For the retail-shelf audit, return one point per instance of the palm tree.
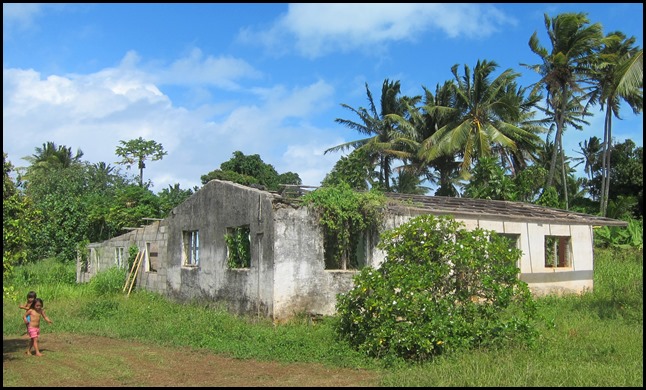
(382, 143)
(420, 125)
(484, 116)
(574, 43)
(590, 150)
(526, 146)
(619, 76)
(52, 156)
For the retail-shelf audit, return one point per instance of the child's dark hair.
(34, 303)
(31, 294)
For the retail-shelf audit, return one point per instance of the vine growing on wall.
(345, 215)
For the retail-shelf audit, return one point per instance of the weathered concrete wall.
(549, 280)
(302, 284)
(210, 211)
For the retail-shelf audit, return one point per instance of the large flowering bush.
(440, 288)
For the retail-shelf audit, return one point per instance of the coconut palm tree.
(382, 143)
(563, 69)
(590, 150)
(484, 115)
(52, 156)
(618, 77)
(420, 125)
(527, 145)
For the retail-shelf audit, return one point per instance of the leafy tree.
(249, 170)
(440, 289)
(355, 169)
(549, 198)
(408, 182)
(590, 151)
(574, 45)
(103, 181)
(171, 197)
(61, 222)
(137, 151)
(490, 182)
(16, 213)
(627, 175)
(289, 178)
(232, 176)
(529, 182)
(433, 119)
(132, 204)
(51, 156)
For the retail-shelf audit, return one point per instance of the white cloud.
(197, 70)
(319, 29)
(310, 161)
(18, 16)
(94, 112)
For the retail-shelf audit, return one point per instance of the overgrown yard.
(100, 339)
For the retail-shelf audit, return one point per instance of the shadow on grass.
(12, 345)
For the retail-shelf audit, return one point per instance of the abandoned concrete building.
(186, 255)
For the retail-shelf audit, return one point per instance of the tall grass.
(594, 339)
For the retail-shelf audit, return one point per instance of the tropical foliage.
(345, 216)
(440, 289)
(251, 170)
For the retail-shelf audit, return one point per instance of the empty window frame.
(152, 257)
(119, 259)
(238, 246)
(558, 252)
(352, 256)
(191, 245)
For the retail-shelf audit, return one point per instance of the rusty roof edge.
(510, 210)
(594, 221)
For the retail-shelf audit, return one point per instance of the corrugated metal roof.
(494, 209)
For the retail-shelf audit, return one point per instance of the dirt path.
(76, 360)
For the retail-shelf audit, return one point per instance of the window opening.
(238, 246)
(512, 238)
(191, 246)
(118, 256)
(353, 257)
(152, 261)
(557, 251)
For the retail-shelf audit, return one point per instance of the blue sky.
(205, 80)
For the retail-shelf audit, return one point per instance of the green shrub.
(48, 271)
(440, 288)
(108, 282)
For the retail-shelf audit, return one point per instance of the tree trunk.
(608, 152)
(559, 115)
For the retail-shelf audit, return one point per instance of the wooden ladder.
(134, 270)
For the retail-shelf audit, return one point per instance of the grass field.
(595, 339)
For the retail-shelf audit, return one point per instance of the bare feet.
(28, 353)
(39, 354)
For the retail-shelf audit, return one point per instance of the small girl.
(33, 324)
(30, 299)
